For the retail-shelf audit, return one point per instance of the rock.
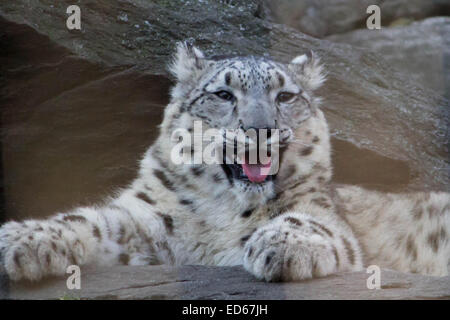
(419, 50)
(320, 18)
(80, 107)
(228, 283)
(124, 33)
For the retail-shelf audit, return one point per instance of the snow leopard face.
(238, 96)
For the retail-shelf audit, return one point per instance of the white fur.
(289, 229)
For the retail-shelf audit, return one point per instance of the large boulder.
(320, 18)
(420, 50)
(80, 107)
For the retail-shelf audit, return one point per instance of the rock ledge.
(229, 283)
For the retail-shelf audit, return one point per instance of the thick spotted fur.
(293, 227)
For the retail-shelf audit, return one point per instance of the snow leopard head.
(236, 95)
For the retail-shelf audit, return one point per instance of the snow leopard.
(292, 225)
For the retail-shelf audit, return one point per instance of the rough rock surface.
(199, 282)
(320, 18)
(420, 50)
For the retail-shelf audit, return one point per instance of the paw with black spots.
(32, 250)
(281, 253)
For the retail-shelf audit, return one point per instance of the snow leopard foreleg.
(87, 236)
(296, 246)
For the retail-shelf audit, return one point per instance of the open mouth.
(258, 173)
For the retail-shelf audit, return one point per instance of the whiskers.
(301, 143)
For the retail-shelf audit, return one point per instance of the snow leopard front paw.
(279, 253)
(31, 250)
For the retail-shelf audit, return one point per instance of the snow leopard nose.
(262, 136)
(264, 132)
(259, 122)
(257, 115)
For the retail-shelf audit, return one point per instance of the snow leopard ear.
(308, 70)
(188, 62)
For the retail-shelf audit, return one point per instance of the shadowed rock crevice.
(353, 165)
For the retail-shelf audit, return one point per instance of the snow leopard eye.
(225, 95)
(286, 97)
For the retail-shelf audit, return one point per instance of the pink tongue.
(256, 172)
